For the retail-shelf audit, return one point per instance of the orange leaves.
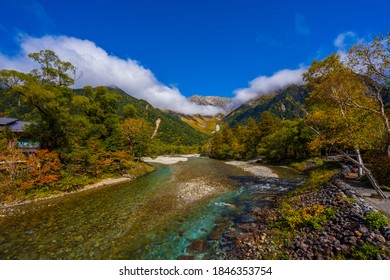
(43, 168)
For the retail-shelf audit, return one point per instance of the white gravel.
(256, 170)
(165, 159)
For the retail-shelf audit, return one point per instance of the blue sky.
(190, 47)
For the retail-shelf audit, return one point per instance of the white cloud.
(263, 85)
(100, 68)
(344, 40)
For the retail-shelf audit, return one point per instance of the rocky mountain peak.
(215, 101)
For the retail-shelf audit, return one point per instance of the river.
(154, 217)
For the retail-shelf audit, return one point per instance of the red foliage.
(43, 169)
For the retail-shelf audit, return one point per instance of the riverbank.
(329, 221)
(104, 182)
(6, 207)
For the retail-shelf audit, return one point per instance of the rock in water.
(197, 246)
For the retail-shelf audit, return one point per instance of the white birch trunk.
(369, 175)
(360, 160)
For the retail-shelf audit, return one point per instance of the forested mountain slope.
(172, 129)
(285, 104)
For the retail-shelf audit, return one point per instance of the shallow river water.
(154, 217)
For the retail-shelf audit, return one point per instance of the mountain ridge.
(286, 103)
(216, 101)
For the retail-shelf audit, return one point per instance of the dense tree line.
(272, 138)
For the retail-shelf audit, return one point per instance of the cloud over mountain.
(100, 68)
(265, 84)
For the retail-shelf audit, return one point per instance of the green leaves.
(53, 70)
(273, 138)
(136, 133)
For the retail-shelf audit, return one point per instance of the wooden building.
(17, 128)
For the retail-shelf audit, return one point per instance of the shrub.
(43, 169)
(308, 164)
(308, 216)
(330, 213)
(319, 177)
(367, 252)
(300, 166)
(376, 220)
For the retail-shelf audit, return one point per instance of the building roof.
(13, 124)
(18, 126)
(7, 121)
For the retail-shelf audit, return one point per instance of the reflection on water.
(154, 217)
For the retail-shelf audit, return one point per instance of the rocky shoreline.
(346, 236)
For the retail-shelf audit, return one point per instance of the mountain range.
(176, 128)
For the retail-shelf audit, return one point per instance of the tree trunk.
(360, 160)
(388, 147)
(369, 175)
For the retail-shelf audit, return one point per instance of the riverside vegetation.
(84, 135)
(93, 133)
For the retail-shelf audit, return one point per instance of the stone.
(184, 257)
(351, 240)
(197, 246)
(380, 238)
(331, 238)
(309, 242)
(303, 246)
(216, 233)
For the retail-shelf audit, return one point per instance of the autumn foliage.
(43, 169)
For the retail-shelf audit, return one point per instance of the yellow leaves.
(355, 100)
(336, 97)
(320, 177)
(80, 101)
(346, 128)
(306, 216)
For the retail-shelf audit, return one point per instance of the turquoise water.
(153, 217)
